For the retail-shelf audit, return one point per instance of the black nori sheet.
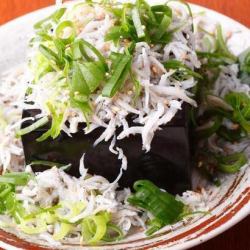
(167, 164)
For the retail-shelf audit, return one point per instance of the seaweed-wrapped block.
(167, 164)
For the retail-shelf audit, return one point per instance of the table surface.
(235, 238)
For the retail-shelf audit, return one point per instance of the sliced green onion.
(206, 164)
(162, 29)
(49, 54)
(211, 55)
(64, 230)
(48, 217)
(124, 19)
(137, 85)
(137, 23)
(61, 29)
(78, 84)
(231, 163)
(42, 36)
(142, 5)
(131, 48)
(33, 226)
(69, 210)
(94, 227)
(93, 75)
(118, 77)
(79, 52)
(60, 49)
(244, 60)
(162, 205)
(83, 106)
(208, 131)
(33, 126)
(155, 225)
(66, 69)
(15, 178)
(114, 34)
(165, 39)
(76, 52)
(241, 105)
(188, 213)
(5, 189)
(10, 203)
(231, 135)
(161, 8)
(221, 45)
(221, 54)
(96, 52)
(40, 67)
(55, 129)
(142, 23)
(49, 164)
(55, 17)
(114, 233)
(181, 67)
(81, 98)
(2, 207)
(46, 214)
(13, 207)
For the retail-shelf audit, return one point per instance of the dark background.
(238, 237)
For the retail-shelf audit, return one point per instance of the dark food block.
(167, 164)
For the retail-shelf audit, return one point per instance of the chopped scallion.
(162, 205)
(137, 23)
(50, 164)
(64, 229)
(94, 227)
(66, 31)
(113, 233)
(56, 16)
(231, 163)
(118, 77)
(15, 178)
(162, 29)
(41, 122)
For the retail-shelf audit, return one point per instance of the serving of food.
(127, 126)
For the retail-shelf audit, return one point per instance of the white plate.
(230, 203)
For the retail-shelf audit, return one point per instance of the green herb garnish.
(51, 164)
(60, 29)
(56, 16)
(240, 102)
(141, 22)
(244, 61)
(55, 129)
(220, 55)
(15, 178)
(182, 71)
(121, 67)
(162, 205)
(231, 163)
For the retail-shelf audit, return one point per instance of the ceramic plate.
(229, 203)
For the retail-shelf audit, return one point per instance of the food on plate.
(116, 103)
(169, 154)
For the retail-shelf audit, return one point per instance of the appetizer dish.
(116, 107)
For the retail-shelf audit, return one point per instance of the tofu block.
(167, 164)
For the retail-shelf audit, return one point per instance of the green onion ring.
(60, 29)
